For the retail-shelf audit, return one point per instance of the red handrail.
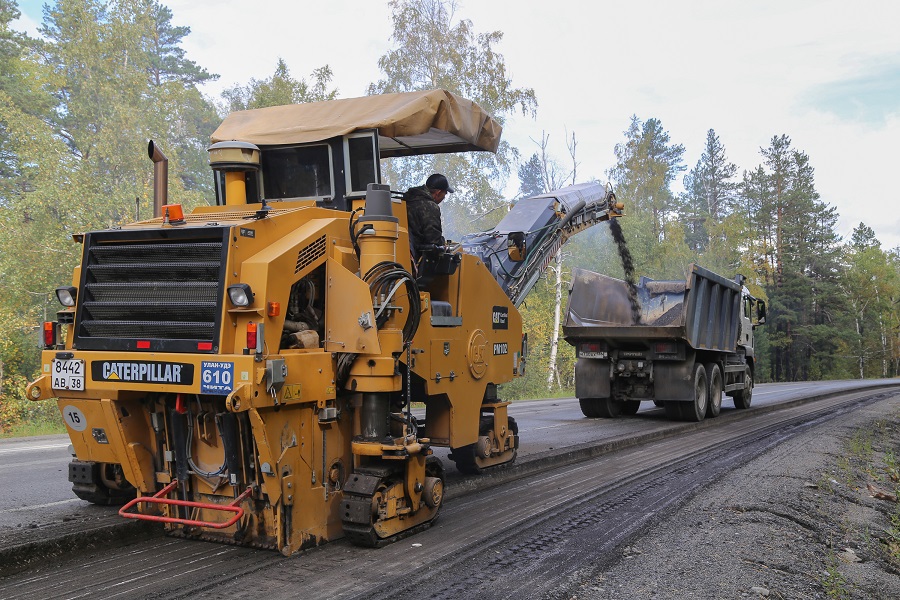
(159, 498)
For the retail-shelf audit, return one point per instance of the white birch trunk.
(552, 371)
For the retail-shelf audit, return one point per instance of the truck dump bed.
(703, 311)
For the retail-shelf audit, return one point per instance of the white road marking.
(31, 448)
(36, 506)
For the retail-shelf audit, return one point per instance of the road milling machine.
(248, 370)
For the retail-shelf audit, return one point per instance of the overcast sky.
(824, 72)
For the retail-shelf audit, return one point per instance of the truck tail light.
(251, 335)
(49, 336)
(666, 347)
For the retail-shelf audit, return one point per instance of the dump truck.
(679, 344)
(245, 373)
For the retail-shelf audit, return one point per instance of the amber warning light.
(173, 213)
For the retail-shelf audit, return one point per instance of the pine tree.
(531, 179)
(161, 44)
(647, 164)
(802, 250)
(76, 112)
(709, 194)
(281, 88)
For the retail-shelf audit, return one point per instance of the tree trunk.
(552, 371)
(862, 363)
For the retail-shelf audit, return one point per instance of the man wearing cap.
(424, 213)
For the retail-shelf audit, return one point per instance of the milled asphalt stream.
(27, 545)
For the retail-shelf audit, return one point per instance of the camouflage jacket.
(424, 216)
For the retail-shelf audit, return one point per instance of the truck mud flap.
(592, 378)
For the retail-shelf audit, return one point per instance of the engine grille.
(165, 290)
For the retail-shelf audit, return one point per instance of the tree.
(76, 114)
(280, 89)
(709, 193)
(869, 282)
(549, 174)
(20, 87)
(161, 44)
(531, 177)
(802, 252)
(646, 166)
(434, 50)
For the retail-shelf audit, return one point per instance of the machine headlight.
(240, 294)
(67, 295)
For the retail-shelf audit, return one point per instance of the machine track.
(360, 535)
(466, 458)
(361, 498)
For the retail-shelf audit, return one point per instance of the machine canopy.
(408, 124)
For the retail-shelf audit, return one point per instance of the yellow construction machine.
(246, 372)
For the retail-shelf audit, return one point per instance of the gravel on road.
(815, 517)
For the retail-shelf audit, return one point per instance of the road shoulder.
(803, 520)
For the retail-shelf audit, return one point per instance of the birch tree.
(432, 48)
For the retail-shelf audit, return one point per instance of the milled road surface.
(476, 534)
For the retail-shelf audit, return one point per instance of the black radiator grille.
(163, 290)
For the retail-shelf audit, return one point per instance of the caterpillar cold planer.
(247, 370)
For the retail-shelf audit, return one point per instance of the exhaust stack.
(160, 178)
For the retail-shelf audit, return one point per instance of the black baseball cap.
(438, 182)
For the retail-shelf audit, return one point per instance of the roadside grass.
(833, 581)
(29, 429)
(869, 466)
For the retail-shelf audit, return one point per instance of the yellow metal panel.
(349, 316)
(123, 433)
(266, 456)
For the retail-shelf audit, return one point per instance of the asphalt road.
(513, 540)
(33, 471)
(37, 505)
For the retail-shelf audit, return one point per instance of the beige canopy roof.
(410, 123)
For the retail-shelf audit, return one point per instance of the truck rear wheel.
(630, 407)
(673, 410)
(600, 408)
(589, 407)
(695, 411)
(742, 398)
(716, 385)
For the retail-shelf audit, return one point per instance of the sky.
(824, 72)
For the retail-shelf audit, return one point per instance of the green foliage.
(17, 413)
(280, 89)
(709, 193)
(870, 286)
(531, 180)
(647, 164)
(433, 50)
(537, 320)
(802, 264)
(78, 106)
(75, 117)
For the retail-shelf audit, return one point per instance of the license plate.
(68, 375)
(585, 354)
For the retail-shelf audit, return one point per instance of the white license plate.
(583, 354)
(68, 375)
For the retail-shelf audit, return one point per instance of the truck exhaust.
(160, 178)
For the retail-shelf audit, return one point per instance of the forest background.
(79, 103)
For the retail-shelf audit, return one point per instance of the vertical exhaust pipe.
(160, 178)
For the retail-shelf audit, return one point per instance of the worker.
(424, 213)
